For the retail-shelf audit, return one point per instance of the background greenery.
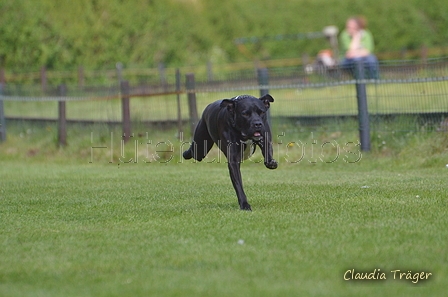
(65, 34)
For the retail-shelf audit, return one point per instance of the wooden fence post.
(424, 53)
(43, 79)
(81, 77)
(2, 76)
(403, 53)
(2, 117)
(190, 86)
(210, 76)
(162, 73)
(126, 112)
(62, 119)
(263, 82)
(179, 111)
(363, 113)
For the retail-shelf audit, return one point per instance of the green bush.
(97, 34)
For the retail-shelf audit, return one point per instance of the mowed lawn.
(176, 230)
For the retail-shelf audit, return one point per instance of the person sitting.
(357, 46)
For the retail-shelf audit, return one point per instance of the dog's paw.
(245, 206)
(187, 155)
(272, 164)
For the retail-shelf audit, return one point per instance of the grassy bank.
(329, 141)
(97, 34)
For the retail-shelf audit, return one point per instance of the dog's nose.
(258, 125)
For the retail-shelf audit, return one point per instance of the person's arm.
(367, 41)
(361, 45)
(344, 42)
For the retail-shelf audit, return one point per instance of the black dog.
(235, 125)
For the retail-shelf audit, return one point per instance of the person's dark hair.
(361, 21)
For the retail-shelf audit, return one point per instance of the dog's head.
(248, 115)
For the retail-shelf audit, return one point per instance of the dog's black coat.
(234, 125)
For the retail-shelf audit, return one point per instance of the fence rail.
(405, 88)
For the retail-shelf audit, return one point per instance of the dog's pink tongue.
(256, 134)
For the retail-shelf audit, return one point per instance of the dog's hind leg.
(202, 143)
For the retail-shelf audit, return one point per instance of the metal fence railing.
(413, 91)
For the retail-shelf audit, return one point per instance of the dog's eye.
(245, 113)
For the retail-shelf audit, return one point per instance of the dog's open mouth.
(256, 136)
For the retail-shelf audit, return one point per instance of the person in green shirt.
(357, 45)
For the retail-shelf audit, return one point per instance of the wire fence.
(414, 93)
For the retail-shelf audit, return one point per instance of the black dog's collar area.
(249, 148)
(247, 142)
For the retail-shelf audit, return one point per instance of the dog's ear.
(267, 99)
(230, 104)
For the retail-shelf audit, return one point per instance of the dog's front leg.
(267, 151)
(237, 182)
(233, 155)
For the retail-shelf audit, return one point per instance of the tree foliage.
(65, 34)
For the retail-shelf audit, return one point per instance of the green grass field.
(175, 230)
(172, 228)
